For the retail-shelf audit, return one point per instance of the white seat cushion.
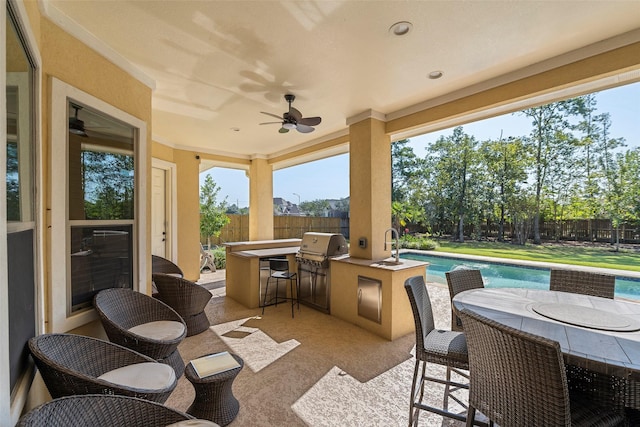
(163, 330)
(142, 376)
(194, 423)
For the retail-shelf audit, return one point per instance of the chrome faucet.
(397, 242)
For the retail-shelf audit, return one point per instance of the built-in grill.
(316, 250)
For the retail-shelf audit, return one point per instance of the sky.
(300, 183)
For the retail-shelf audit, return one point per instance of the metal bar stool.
(279, 270)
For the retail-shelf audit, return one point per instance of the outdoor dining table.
(598, 335)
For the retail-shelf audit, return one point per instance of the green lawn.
(603, 257)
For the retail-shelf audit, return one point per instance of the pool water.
(498, 275)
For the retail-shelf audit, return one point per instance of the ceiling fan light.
(76, 127)
(289, 125)
(77, 132)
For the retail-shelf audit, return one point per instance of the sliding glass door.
(20, 176)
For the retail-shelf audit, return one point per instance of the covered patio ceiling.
(216, 65)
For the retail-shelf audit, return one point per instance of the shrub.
(422, 243)
(220, 256)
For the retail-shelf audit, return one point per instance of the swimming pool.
(497, 275)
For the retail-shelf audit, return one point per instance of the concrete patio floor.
(314, 369)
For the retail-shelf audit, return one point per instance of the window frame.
(61, 317)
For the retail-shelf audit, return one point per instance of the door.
(159, 212)
(370, 298)
(18, 290)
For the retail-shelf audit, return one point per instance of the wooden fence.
(595, 230)
(581, 230)
(288, 227)
(284, 227)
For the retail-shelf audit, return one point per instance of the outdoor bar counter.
(367, 293)
(357, 282)
(243, 266)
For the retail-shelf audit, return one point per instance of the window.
(101, 164)
(99, 183)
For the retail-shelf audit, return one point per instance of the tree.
(13, 183)
(454, 163)
(212, 214)
(405, 168)
(608, 162)
(506, 161)
(108, 185)
(404, 214)
(623, 183)
(315, 207)
(342, 207)
(566, 167)
(548, 134)
(523, 211)
(588, 126)
(234, 209)
(407, 171)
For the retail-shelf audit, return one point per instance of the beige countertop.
(269, 252)
(385, 264)
(264, 243)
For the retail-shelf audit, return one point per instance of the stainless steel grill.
(316, 250)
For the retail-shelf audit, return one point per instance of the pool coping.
(521, 262)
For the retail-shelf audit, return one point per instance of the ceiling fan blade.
(270, 123)
(297, 115)
(304, 128)
(283, 130)
(272, 115)
(310, 121)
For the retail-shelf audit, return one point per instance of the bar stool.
(279, 270)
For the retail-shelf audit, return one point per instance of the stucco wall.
(188, 199)
(71, 61)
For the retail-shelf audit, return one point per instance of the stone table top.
(599, 334)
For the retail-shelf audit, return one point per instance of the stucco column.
(188, 212)
(370, 188)
(260, 200)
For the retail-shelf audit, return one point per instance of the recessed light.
(435, 74)
(401, 28)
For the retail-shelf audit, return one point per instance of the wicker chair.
(187, 298)
(518, 379)
(583, 282)
(597, 386)
(433, 345)
(163, 265)
(71, 364)
(122, 309)
(458, 281)
(102, 410)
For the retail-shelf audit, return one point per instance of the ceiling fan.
(293, 119)
(90, 126)
(76, 126)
